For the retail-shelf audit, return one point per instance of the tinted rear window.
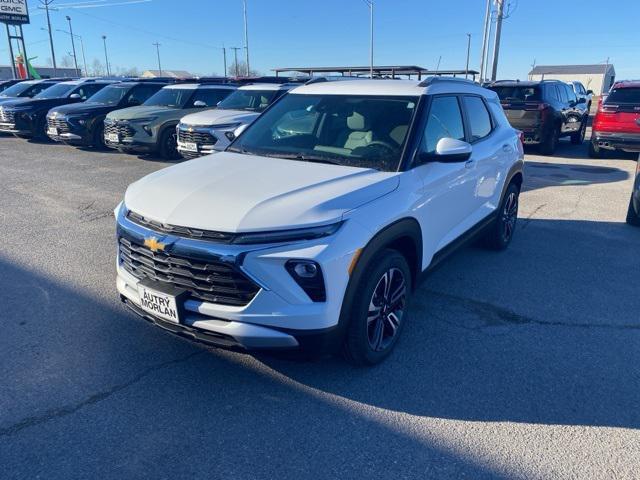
(518, 93)
(624, 95)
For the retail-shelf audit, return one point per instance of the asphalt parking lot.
(522, 364)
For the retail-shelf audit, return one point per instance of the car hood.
(80, 108)
(35, 102)
(232, 192)
(219, 117)
(143, 111)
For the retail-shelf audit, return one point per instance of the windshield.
(170, 97)
(624, 95)
(352, 130)
(250, 100)
(521, 93)
(56, 91)
(110, 95)
(17, 89)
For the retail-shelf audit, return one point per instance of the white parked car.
(205, 132)
(312, 229)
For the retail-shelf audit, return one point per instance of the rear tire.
(633, 217)
(502, 230)
(578, 137)
(169, 144)
(379, 309)
(548, 146)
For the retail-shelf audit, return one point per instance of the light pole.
(106, 57)
(157, 45)
(79, 37)
(370, 5)
(466, 72)
(46, 4)
(485, 39)
(224, 59)
(73, 44)
(246, 36)
(496, 44)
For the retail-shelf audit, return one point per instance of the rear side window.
(444, 121)
(551, 92)
(571, 95)
(479, 118)
(624, 95)
(210, 96)
(518, 93)
(140, 93)
(85, 91)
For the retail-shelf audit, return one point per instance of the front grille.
(59, 123)
(207, 280)
(7, 116)
(122, 129)
(186, 232)
(201, 138)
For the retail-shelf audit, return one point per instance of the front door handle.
(469, 163)
(506, 148)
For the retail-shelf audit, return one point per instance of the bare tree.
(241, 70)
(66, 61)
(97, 68)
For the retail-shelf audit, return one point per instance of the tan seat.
(398, 133)
(361, 135)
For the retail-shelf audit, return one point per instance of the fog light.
(308, 275)
(230, 136)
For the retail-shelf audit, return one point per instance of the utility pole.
(246, 36)
(370, 5)
(235, 53)
(73, 44)
(157, 45)
(106, 57)
(46, 4)
(438, 65)
(224, 59)
(496, 44)
(466, 72)
(485, 39)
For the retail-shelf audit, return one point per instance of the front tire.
(379, 309)
(169, 144)
(501, 232)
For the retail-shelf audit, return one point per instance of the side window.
(444, 120)
(210, 96)
(551, 92)
(571, 95)
(88, 90)
(479, 117)
(140, 93)
(563, 93)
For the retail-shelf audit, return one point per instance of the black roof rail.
(440, 79)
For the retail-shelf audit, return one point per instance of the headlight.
(143, 120)
(287, 235)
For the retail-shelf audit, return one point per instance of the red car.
(616, 125)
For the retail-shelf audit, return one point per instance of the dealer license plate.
(188, 146)
(159, 304)
(52, 131)
(113, 137)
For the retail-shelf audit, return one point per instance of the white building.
(599, 77)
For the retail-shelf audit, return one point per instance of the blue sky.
(331, 32)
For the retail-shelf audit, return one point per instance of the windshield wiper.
(302, 158)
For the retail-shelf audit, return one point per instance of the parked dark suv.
(545, 111)
(82, 124)
(28, 88)
(26, 117)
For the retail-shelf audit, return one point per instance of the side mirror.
(448, 150)
(582, 100)
(589, 92)
(75, 96)
(199, 104)
(238, 131)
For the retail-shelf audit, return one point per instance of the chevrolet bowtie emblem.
(153, 244)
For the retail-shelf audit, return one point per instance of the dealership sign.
(14, 12)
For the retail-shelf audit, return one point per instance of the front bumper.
(14, 129)
(629, 142)
(280, 315)
(134, 140)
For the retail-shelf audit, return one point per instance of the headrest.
(357, 121)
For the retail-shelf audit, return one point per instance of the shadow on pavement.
(548, 174)
(88, 388)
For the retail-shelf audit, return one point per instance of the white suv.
(313, 228)
(202, 133)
